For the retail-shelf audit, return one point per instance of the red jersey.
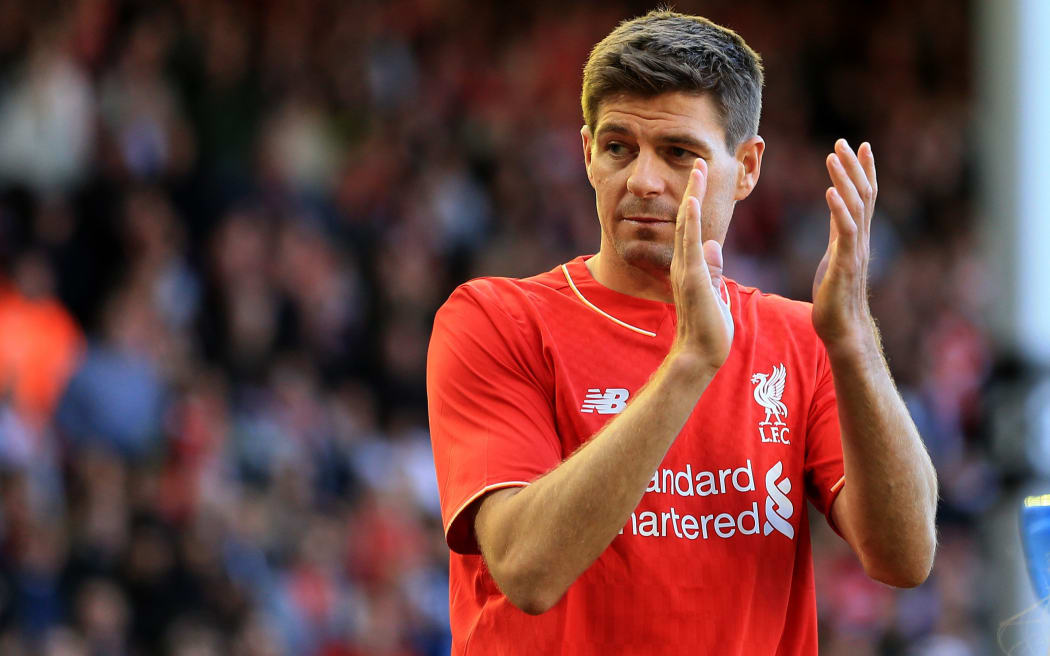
(716, 557)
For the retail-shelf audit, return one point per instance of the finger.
(842, 222)
(867, 161)
(851, 162)
(691, 248)
(864, 188)
(696, 186)
(699, 188)
(844, 184)
(681, 222)
(687, 223)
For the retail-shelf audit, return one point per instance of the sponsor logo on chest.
(762, 516)
(769, 390)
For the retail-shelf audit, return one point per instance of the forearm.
(537, 540)
(890, 497)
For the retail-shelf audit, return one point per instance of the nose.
(645, 180)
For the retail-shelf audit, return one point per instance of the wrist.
(689, 367)
(862, 345)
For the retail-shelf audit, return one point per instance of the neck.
(619, 276)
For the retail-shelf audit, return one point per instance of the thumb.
(713, 257)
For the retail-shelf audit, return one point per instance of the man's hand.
(841, 315)
(886, 508)
(705, 325)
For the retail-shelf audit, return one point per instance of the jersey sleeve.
(825, 474)
(491, 409)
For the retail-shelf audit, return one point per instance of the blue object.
(115, 399)
(1035, 538)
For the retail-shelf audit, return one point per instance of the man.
(625, 444)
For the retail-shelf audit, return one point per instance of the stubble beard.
(644, 251)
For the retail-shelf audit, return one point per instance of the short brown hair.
(666, 51)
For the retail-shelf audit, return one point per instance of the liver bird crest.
(768, 391)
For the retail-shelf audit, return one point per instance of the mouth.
(647, 219)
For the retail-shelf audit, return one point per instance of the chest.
(755, 408)
(734, 477)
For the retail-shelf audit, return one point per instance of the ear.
(749, 165)
(585, 134)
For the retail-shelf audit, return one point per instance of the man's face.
(638, 161)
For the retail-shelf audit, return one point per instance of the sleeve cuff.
(835, 490)
(459, 534)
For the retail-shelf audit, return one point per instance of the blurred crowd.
(225, 228)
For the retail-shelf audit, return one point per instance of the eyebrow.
(676, 138)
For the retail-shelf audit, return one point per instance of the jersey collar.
(638, 315)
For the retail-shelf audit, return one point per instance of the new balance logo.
(611, 402)
(778, 507)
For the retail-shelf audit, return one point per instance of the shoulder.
(493, 326)
(779, 322)
(501, 300)
(767, 307)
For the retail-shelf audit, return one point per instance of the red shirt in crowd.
(716, 557)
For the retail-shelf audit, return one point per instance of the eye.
(616, 148)
(677, 152)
